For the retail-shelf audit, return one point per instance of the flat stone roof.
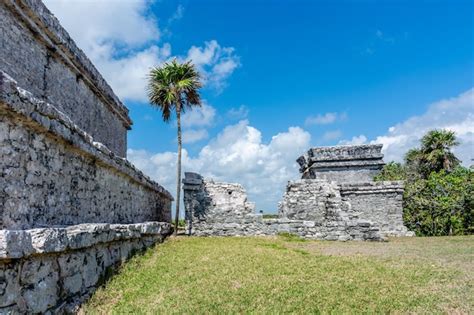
(342, 157)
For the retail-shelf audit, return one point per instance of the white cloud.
(325, 119)
(127, 75)
(361, 139)
(332, 135)
(177, 15)
(237, 154)
(199, 116)
(238, 113)
(107, 22)
(456, 114)
(122, 40)
(192, 135)
(216, 63)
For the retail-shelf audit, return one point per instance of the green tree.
(172, 88)
(434, 154)
(442, 204)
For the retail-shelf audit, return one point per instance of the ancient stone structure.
(222, 209)
(336, 200)
(71, 206)
(342, 164)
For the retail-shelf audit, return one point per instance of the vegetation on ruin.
(190, 275)
(439, 192)
(172, 88)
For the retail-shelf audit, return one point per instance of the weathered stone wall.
(208, 202)
(55, 269)
(53, 173)
(342, 164)
(309, 200)
(40, 55)
(222, 209)
(379, 202)
(71, 206)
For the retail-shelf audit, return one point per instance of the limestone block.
(70, 270)
(9, 284)
(15, 244)
(39, 278)
(48, 240)
(90, 270)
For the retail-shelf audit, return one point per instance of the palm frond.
(173, 84)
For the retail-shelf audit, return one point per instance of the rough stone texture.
(222, 209)
(38, 53)
(379, 202)
(53, 173)
(38, 278)
(71, 206)
(309, 200)
(209, 202)
(342, 164)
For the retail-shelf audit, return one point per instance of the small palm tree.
(174, 87)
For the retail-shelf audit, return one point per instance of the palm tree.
(174, 87)
(436, 148)
(434, 154)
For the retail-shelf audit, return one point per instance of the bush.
(442, 204)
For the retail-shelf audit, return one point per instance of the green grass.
(187, 275)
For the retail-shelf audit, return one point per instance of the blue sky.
(379, 63)
(281, 76)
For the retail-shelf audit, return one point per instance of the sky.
(283, 76)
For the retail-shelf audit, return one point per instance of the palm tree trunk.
(178, 170)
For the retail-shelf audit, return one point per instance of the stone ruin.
(71, 206)
(336, 199)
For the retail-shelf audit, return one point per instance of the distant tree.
(434, 154)
(174, 87)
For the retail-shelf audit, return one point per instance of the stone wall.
(71, 206)
(40, 55)
(309, 200)
(342, 164)
(379, 202)
(222, 209)
(53, 270)
(208, 202)
(53, 173)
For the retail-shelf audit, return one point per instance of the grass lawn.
(283, 274)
